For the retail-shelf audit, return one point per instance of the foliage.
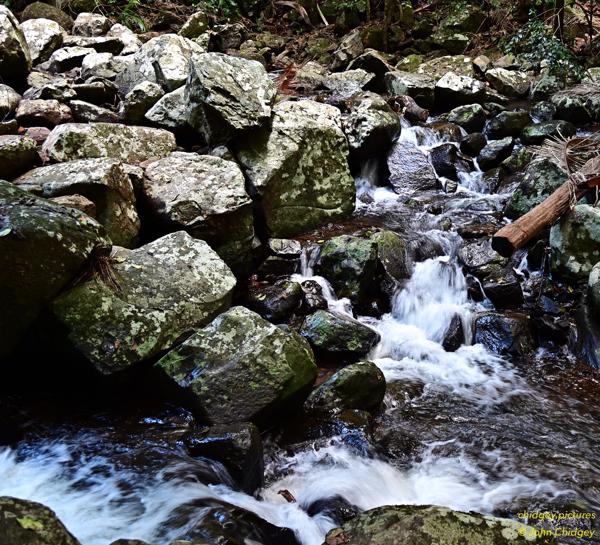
(126, 11)
(227, 9)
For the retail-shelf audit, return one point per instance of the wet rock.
(240, 367)
(86, 141)
(351, 47)
(43, 37)
(171, 111)
(473, 143)
(454, 337)
(418, 86)
(196, 24)
(579, 104)
(495, 152)
(392, 525)
(102, 181)
(275, 303)
(536, 134)
(129, 542)
(480, 259)
(227, 95)
(508, 123)
(508, 82)
(454, 90)
(393, 258)
(336, 508)
(575, 243)
(44, 113)
(340, 335)
(166, 289)
(205, 196)
(313, 298)
(504, 334)
(9, 100)
(67, 58)
(17, 154)
(25, 522)
(540, 179)
(84, 112)
(447, 162)
(283, 259)
(15, 60)
(542, 111)
(344, 85)
(470, 117)
(237, 446)
(503, 289)
(41, 10)
(370, 126)
(357, 386)
(594, 290)
(410, 169)
(302, 159)
(43, 247)
(139, 100)
(91, 24)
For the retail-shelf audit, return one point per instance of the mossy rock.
(41, 10)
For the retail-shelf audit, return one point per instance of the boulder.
(67, 58)
(15, 60)
(480, 259)
(129, 39)
(41, 10)
(418, 86)
(276, 302)
(240, 368)
(593, 293)
(535, 134)
(455, 90)
(344, 85)
(226, 95)
(139, 100)
(24, 522)
(87, 141)
(494, 152)
(374, 62)
(42, 113)
(507, 334)
(473, 143)
(546, 86)
(17, 155)
(103, 181)
(503, 289)
(452, 42)
(84, 112)
(205, 196)
(439, 66)
(91, 24)
(351, 47)
(447, 162)
(43, 37)
(170, 111)
(9, 100)
(359, 386)
(43, 247)
(298, 167)
(409, 168)
(100, 44)
(508, 123)
(196, 24)
(542, 111)
(511, 83)
(579, 104)
(100, 65)
(575, 243)
(164, 291)
(470, 117)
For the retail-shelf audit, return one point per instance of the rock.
(240, 367)
(508, 82)
(446, 161)
(131, 43)
(482, 64)
(579, 104)
(495, 152)
(205, 196)
(41, 10)
(310, 76)
(302, 159)
(593, 294)
(79, 202)
(374, 62)
(9, 100)
(370, 126)
(454, 337)
(351, 47)
(542, 111)
(44, 113)
(410, 169)
(226, 95)
(546, 87)
(228, 36)
(43, 37)
(102, 181)
(84, 112)
(470, 117)
(418, 86)
(340, 335)
(508, 123)
(8, 127)
(275, 303)
(439, 66)
(100, 44)
(237, 446)
(133, 542)
(540, 179)
(454, 90)
(423, 524)
(91, 24)
(67, 58)
(452, 42)
(336, 507)
(25, 522)
(17, 154)
(393, 257)
(139, 100)
(536, 134)
(164, 60)
(166, 289)
(504, 334)
(196, 25)
(357, 386)
(171, 111)
(101, 65)
(503, 289)
(480, 259)
(86, 141)
(473, 143)
(575, 243)
(42, 248)
(344, 85)
(15, 60)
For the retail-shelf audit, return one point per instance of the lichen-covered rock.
(452, 42)
(9, 100)
(240, 367)
(470, 117)
(431, 525)
(196, 24)
(575, 243)
(439, 66)
(593, 298)
(455, 90)
(359, 386)
(24, 522)
(494, 152)
(41, 10)
(509, 123)
(139, 100)
(298, 166)
(536, 134)
(42, 113)
(129, 39)
(421, 87)
(511, 83)
(87, 141)
(102, 65)
(344, 85)
(17, 154)
(205, 196)
(166, 289)
(43, 37)
(15, 60)
(43, 246)
(91, 24)
(226, 95)
(170, 111)
(333, 333)
(579, 104)
(409, 168)
(102, 181)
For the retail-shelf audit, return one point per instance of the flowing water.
(464, 429)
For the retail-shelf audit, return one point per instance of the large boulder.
(579, 104)
(226, 95)
(298, 167)
(17, 155)
(43, 247)
(43, 37)
(160, 293)
(240, 367)
(409, 168)
(15, 60)
(508, 82)
(575, 243)
(455, 90)
(494, 152)
(25, 522)
(103, 181)
(509, 123)
(41, 10)
(470, 117)
(205, 196)
(87, 141)
(421, 87)
(431, 525)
